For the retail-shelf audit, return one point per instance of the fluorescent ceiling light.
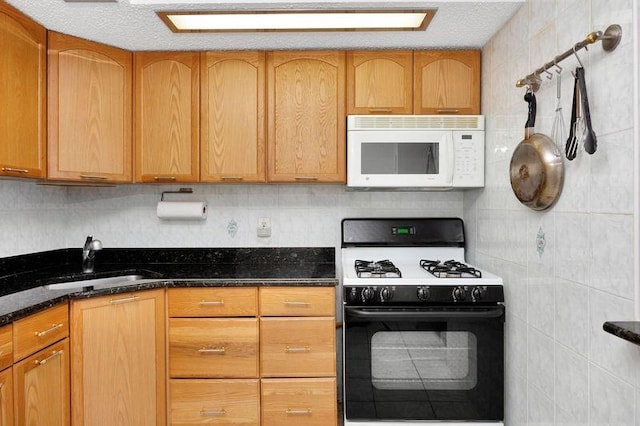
(316, 20)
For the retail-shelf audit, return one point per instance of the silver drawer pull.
(54, 327)
(47, 359)
(232, 178)
(93, 177)
(298, 412)
(380, 110)
(123, 300)
(296, 303)
(306, 178)
(211, 302)
(164, 178)
(12, 170)
(219, 351)
(220, 412)
(448, 111)
(294, 349)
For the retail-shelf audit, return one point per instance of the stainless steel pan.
(536, 170)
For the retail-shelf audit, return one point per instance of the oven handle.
(424, 313)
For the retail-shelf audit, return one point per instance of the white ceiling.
(134, 25)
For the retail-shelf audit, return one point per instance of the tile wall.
(569, 269)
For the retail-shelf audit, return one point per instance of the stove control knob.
(367, 294)
(477, 293)
(386, 294)
(458, 294)
(423, 294)
(352, 296)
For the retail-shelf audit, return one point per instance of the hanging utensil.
(590, 139)
(576, 128)
(558, 129)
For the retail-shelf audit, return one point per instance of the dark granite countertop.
(23, 279)
(627, 330)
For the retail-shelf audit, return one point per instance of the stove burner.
(379, 269)
(449, 269)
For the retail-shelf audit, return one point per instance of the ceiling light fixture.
(299, 20)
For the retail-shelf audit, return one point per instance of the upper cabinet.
(90, 106)
(306, 110)
(380, 82)
(167, 127)
(233, 117)
(447, 82)
(22, 95)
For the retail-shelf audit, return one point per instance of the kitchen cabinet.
(294, 402)
(89, 111)
(118, 344)
(233, 117)
(6, 397)
(380, 82)
(306, 116)
(446, 82)
(167, 116)
(22, 95)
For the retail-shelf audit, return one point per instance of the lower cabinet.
(295, 402)
(118, 354)
(42, 387)
(6, 397)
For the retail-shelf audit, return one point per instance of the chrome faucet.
(89, 253)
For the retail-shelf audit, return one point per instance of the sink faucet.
(89, 253)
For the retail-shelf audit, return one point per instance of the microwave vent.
(410, 122)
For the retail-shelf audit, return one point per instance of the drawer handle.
(211, 302)
(123, 300)
(307, 178)
(54, 327)
(297, 349)
(217, 351)
(12, 170)
(379, 110)
(220, 412)
(296, 303)
(305, 411)
(448, 111)
(93, 177)
(169, 178)
(232, 178)
(47, 359)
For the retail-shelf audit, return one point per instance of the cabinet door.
(380, 82)
(42, 387)
(22, 95)
(6, 397)
(447, 82)
(306, 110)
(233, 120)
(293, 402)
(118, 345)
(89, 110)
(167, 104)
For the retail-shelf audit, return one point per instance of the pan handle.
(531, 117)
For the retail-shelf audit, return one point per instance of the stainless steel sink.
(96, 282)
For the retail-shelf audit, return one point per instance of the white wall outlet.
(264, 227)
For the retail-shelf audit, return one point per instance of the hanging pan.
(536, 170)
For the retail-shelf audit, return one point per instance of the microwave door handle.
(452, 160)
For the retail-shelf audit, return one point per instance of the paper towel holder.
(180, 191)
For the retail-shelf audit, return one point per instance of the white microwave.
(415, 151)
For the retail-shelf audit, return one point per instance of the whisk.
(558, 130)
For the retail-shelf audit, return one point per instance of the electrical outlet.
(264, 227)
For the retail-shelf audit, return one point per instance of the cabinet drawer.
(6, 346)
(40, 330)
(213, 302)
(297, 347)
(214, 402)
(212, 347)
(297, 301)
(308, 402)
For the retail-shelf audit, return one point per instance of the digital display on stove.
(403, 230)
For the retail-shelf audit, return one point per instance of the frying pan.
(536, 170)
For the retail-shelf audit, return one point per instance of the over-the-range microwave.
(415, 152)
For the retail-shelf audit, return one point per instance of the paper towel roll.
(189, 210)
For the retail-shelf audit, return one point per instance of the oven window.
(400, 158)
(424, 360)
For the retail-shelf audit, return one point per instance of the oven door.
(424, 363)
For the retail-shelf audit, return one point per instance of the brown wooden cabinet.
(6, 397)
(233, 117)
(118, 345)
(167, 116)
(446, 82)
(306, 110)
(294, 402)
(23, 99)
(89, 129)
(380, 82)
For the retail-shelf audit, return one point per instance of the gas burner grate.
(379, 269)
(449, 269)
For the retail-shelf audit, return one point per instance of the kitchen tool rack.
(610, 40)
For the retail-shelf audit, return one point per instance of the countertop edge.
(626, 330)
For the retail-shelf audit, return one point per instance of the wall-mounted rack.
(610, 40)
